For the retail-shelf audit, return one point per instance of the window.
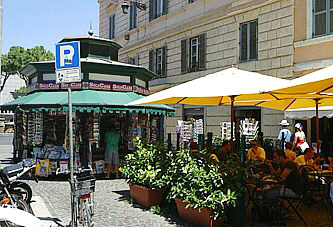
(112, 26)
(133, 60)
(322, 17)
(249, 41)
(158, 69)
(157, 8)
(133, 16)
(158, 61)
(194, 53)
(191, 1)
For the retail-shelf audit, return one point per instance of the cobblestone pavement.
(111, 209)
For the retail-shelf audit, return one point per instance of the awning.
(86, 100)
(325, 111)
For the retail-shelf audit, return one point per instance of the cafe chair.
(266, 205)
(314, 186)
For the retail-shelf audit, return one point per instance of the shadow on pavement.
(55, 220)
(168, 210)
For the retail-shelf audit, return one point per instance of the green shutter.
(184, 56)
(164, 61)
(202, 51)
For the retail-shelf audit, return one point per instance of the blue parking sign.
(67, 55)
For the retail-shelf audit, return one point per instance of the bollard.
(178, 141)
(210, 138)
(200, 142)
(169, 142)
(237, 214)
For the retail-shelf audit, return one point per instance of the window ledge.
(314, 41)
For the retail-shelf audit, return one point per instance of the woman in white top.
(299, 137)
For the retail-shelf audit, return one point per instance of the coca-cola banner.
(122, 87)
(74, 86)
(102, 86)
(99, 86)
(49, 86)
(140, 90)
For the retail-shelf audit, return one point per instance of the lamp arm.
(141, 6)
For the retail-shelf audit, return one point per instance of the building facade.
(181, 40)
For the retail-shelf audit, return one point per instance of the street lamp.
(125, 6)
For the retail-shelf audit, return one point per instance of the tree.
(17, 58)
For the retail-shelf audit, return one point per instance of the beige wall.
(220, 21)
(300, 20)
(312, 52)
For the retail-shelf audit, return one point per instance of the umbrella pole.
(232, 117)
(317, 125)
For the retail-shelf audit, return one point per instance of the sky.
(30, 23)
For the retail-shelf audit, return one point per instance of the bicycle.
(82, 197)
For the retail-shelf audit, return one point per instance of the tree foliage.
(18, 57)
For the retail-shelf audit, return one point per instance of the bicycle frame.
(82, 197)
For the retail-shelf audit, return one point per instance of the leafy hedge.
(191, 177)
(201, 184)
(147, 166)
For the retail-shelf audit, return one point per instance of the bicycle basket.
(84, 185)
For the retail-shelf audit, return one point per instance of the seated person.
(307, 158)
(224, 152)
(289, 153)
(256, 153)
(289, 172)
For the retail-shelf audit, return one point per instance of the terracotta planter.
(147, 197)
(195, 217)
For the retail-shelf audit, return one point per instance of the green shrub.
(200, 184)
(147, 166)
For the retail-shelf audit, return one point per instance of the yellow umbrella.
(229, 86)
(312, 90)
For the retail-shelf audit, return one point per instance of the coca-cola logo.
(48, 86)
(122, 87)
(73, 86)
(141, 90)
(99, 86)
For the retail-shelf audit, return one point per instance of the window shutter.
(253, 40)
(131, 16)
(165, 7)
(152, 60)
(202, 51)
(111, 26)
(243, 42)
(164, 61)
(152, 8)
(184, 56)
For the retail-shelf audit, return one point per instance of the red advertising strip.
(140, 90)
(122, 87)
(99, 86)
(75, 86)
(49, 86)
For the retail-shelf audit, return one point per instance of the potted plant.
(145, 170)
(203, 191)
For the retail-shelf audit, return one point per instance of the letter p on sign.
(67, 55)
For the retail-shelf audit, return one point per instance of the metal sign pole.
(70, 120)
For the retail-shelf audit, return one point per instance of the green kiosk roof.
(86, 100)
